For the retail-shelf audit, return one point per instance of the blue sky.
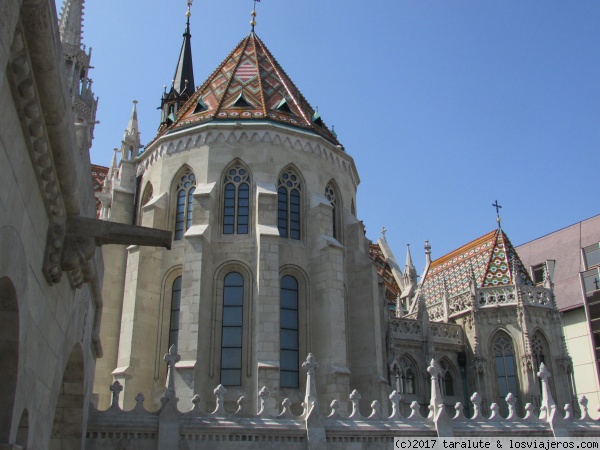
(445, 105)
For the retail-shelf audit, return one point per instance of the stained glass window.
(506, 374)
(289, 340)
(232, 330)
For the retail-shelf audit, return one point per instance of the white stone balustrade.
(315, 430)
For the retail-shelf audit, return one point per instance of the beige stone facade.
(49, 279)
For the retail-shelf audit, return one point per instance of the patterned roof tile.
(490, 259)
(250, 71)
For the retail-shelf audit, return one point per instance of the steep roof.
(490, 259)
(250, 85)
(392, 289)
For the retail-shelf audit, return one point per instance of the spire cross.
(497, 206)
(596, 281)
(383, 230)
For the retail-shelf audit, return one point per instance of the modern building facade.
(570, 259)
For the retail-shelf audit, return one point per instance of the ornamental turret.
(77, 62)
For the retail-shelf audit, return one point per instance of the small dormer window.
(200, 106)
(592, 255)
(284, 107)
(241, 102)
(538, 274)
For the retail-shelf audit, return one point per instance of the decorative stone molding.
(181, 142)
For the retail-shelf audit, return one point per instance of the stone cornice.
(186, 140)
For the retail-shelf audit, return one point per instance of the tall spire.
(131, 138)
(410, 273)
(182, 87)
(71, 23)
(183, 81)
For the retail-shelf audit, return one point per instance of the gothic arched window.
(506, 369)
(175, 309)
(448, 385)
(232, 329)
(288, 201)
(236, 206)
(289, 340)
(331, 195)
(537, 347)
(183, 213)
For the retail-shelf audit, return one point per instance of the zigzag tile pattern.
(489, 258)
(250, 71)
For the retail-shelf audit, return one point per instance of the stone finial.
(220, 400)
(116, 389)
(395, 398)
(139, 402)
(415, 411)
(436, 396)
(459, 415)
(583, 406)
(375, 410)
(495, 415)
(310, 397)
(476, 400)
(547, 403)
(241, 409)
(355, 399)
(511, 401)
(568, 412)
(286, 412)
(335, 410)
(263, 396)
(171, 359)
(529, 413)
(196, 402)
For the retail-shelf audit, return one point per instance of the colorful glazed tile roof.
(250, 85)
(98, 177)
(384, 271)
(490, 258)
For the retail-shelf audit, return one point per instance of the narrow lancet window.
(183, 212)
(175, 310)
(236, 205)
(330, 194)
(505, 366)
(289, 340)
(288, 201)
(232, 329)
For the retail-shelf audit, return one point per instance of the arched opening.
(67, 430)
(23, 430)
(9, 354)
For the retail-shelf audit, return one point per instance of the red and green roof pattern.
(491, 258)
(250, 85)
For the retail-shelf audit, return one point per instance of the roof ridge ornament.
(253, 14)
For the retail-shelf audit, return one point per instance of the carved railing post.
(263, 396)
(335, 410)
(436, 395)
(355, 399)
(116, 389)
(511, 401)
(547, 401)
(476, 400)
(310, 398)
(220, 400)
(171, 359)
(395, 398)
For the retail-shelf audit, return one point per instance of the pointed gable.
(489, 259)
(250, 85)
